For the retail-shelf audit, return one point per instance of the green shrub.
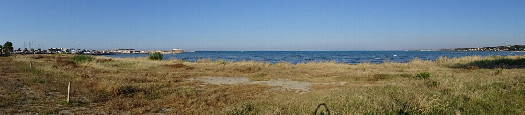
(82, 58)
(499, 62)
(260, 75)
(245, 109)
(155, 56)
(33, 70)
(378, 77)
(127, 91)
(433, 83)
(72, 103)
(423, 75)
(38, 80)
(499, 71)
(54, 66)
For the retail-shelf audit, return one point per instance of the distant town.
(179, 51)
(92, 52)
(497, 48)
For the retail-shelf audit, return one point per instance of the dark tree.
(8, 46)
(6, 49)
(1, 50)
(155, 56)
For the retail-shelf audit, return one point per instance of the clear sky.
(263, 24)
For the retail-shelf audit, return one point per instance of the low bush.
(378, 77)
(123, 90)
(180, 66)
(54, 66)
(260, 75)
(433, 83)
(499, 62)
(127, 91)
(73, 103)
(82, 58)
(423, 75)
(245, 109)
(472, 67)
(104, 60)
(499, 71)
(155, 56)
(38, 80)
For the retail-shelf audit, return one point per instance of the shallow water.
(294, 57)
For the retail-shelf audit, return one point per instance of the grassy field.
(103, 85)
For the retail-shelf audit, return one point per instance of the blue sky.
(263, 24)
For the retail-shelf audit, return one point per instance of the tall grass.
(138, 85)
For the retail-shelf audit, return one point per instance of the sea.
(349, 57)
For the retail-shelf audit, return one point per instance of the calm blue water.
(350, 57)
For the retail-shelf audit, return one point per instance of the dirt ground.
(280, 84)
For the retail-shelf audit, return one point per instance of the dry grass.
(137, 85)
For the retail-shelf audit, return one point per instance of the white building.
(126, 51)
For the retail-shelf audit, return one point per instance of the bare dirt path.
(280, 84)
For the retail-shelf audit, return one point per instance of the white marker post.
(68, 90)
